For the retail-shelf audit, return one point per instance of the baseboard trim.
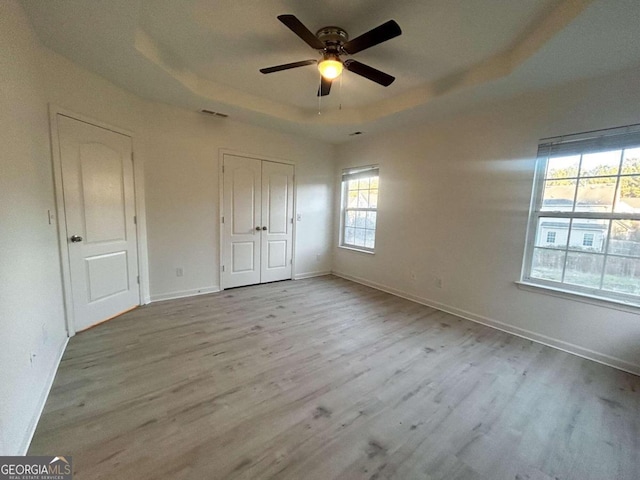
(24, 447)
(302, 276)
(183, 293)
(567, 347)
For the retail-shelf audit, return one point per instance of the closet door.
(277, 221)
(242, 227)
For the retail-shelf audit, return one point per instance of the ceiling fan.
(333, 43)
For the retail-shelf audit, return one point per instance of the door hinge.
(132, 156)
(291, 261)
(223, 268)
(138, 279)
(135, 220)
(291, 219)
(222, 168)
(222, 219)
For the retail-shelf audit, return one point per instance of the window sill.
(353, 249)
(580, 297)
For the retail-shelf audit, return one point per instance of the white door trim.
(61, 221)
(227, 151)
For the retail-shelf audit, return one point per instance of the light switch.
(299, 217)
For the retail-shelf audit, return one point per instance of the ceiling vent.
(215, 114)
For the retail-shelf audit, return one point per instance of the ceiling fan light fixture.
(330, 67)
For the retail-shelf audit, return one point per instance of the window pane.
(359, 241)
(600, 164)
(558, 195)
(563, 167)
(374, 182)
(552, 232)
(363, 184)
(595, 194)
(353, 184)
(547, 264)
(371, 220)
(373, 198)
(349, 235)
(370, 237)
(583, 269)
(588, 235)
(625, 238)
(353, 199)
(629, 196)
(631, 161)
(622, 275)
(361, 218)
(363, 198)
(350, 219)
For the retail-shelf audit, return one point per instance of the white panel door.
(277, 217)
(242, 227)
(98, 189)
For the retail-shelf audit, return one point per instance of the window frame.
(536, 213)
(344, 209)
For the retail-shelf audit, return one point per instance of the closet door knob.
(264, 228)
(258, 228)
(76, 238)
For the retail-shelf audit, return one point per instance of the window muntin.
(584, 233)
(359, 208)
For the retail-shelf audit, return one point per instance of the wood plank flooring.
(327, 379)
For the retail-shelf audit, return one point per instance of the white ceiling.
(452, 53)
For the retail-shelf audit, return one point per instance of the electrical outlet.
(298, 217)
(32, 358)
(438, 282)
(51, 217)
(179, 272)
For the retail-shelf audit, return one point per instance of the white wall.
(31, 309)
(181, 151)
(454, 200)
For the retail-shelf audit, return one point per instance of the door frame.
(61, 220)
(226, 151)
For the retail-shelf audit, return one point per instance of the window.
(584, 225)
(359, 208)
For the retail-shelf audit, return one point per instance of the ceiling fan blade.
(287, 66)
(303, 32)
(380, 34)
(325, 87)
(371, 73)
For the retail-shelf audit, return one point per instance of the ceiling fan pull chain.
(340, 93)
(320, 97)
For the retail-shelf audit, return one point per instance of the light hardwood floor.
(327, 379)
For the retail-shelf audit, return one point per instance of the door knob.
(258, 228)
(264, 228)
(75, 238)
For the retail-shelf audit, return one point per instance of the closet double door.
(257, 221)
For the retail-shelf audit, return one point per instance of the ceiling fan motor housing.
(333, 37)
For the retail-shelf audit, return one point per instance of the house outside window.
(587, 200)
(359, 208)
